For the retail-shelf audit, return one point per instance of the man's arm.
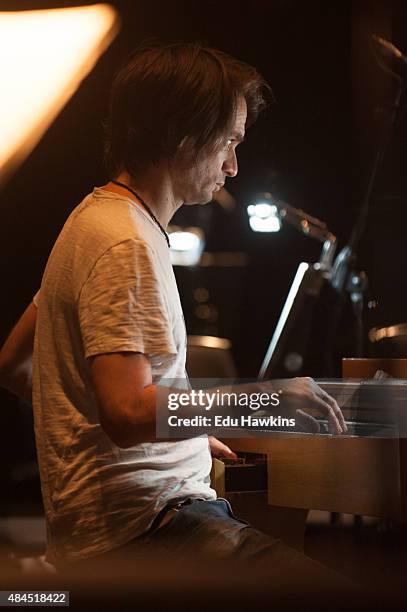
(16, 376)
(127, 398)
(16, 355)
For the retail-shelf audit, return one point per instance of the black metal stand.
(346, 279)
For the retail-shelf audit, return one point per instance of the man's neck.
(155, 188)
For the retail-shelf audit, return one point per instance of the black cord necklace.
(148, 209)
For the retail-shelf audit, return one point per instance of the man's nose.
(230, 167)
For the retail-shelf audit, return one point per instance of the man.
(110, 325)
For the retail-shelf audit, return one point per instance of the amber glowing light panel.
(44, 55)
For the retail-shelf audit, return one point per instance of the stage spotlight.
(44, 55)
(187, 245)
(264, 217)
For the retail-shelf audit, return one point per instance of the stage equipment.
(186, 245)
(287, 354)
(210, 357)
(345, 275)
(263, 216)
(296, 341)
(44, 56)
(390, 342)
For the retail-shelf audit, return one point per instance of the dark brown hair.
(166, 93)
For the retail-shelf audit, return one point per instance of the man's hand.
(220, 450)
(298, 394)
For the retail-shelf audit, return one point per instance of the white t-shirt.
(108, 287)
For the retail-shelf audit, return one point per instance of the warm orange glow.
(44, 55)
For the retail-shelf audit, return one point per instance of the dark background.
(313, 148)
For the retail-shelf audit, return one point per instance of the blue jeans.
(209, 530)
(247, 569)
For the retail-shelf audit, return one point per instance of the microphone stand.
(287, 350)
(313, 228)
(344, 277)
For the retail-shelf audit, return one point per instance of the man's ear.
(186, 144)
(186, 150)
(182, 143)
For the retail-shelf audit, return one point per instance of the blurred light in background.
(263, 217)
(44, 55)
(201, 294)
(186, 245)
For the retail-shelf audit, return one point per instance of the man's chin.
(202, 200)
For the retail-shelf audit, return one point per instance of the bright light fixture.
(264, 217)
(186, 246)
(44, 55)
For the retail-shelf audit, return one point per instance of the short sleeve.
(122, 306)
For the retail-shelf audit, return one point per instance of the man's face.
(197, 180)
